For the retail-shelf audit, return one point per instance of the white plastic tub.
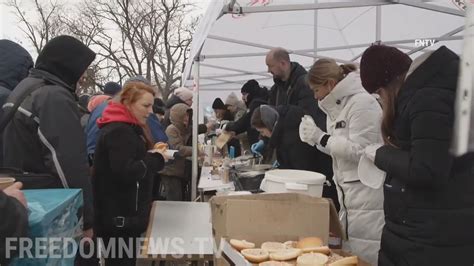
(296, 181)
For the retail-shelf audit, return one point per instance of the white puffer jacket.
(353, 121)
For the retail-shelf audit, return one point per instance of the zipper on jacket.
(136, 197)
(138, 184)
(345, 208)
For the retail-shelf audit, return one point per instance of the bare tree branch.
(147, 37)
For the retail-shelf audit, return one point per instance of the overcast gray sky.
(9, 23)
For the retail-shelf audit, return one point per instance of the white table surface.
(180, 228)
(207, 183)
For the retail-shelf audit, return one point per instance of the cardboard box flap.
(284, 221)
(280, 217)
(335, 225)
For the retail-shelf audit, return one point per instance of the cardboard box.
(271, 217)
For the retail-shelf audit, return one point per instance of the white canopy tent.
(231, 42)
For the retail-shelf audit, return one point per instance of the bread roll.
(161, 146)
(312, 259)
(309, 242)
(347, 261)
(274, 263)
(255, 255)
(241, 244)
(323, 249)
(272, 247)
(290, 244)
(286, 254)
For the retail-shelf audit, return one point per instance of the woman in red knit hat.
(429, 194)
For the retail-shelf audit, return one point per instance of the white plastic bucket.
(295, 181)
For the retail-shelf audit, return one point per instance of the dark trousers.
(86, 261)
(121, 256)
(173, 188)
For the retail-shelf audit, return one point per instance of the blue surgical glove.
(275, 164)
(257, 147)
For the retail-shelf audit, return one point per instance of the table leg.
(201, 195)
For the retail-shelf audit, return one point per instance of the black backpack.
(29, 180)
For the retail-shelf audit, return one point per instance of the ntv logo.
(424, 42)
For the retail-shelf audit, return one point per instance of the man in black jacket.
(281, 126)
(253, 95)
(45, 134)
(291, 87)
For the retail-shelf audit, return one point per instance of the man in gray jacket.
(45, 134)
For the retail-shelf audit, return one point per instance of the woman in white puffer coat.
(353, 122)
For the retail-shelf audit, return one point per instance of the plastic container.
(296, 181)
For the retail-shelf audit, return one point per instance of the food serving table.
(209, 182)
(179, 231)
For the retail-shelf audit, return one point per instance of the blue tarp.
(55, 219)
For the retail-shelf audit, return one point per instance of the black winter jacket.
(243, 124)
(429, 194)
(45, 135)
(296, 91)
(291, 152)
(123, 177)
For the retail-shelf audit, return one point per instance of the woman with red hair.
(124, 171)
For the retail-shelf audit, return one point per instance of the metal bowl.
(255, 169)
(249, 178)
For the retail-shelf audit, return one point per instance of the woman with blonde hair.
(125, 170)
(353, 122)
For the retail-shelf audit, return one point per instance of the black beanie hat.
(381, 64)
(218, 104)
(111, 88)
(65, 57)
(158, 106)
(250, 87)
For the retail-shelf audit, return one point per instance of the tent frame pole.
(344, 4)
(315, 36)
(224, 39)
(195, 108)
(238, 70)
(378, 23)
(299, 52)
(449, 34)
(431, 7)
(306, 7)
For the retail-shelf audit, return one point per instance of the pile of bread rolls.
(308, 251)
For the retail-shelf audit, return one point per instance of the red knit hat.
(380, 64)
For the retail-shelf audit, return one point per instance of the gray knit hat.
(138, 79)
(269, 116)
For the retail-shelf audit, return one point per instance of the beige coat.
(178, 137)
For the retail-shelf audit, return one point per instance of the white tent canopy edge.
(231, 78)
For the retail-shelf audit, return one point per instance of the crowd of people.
(402, 198)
